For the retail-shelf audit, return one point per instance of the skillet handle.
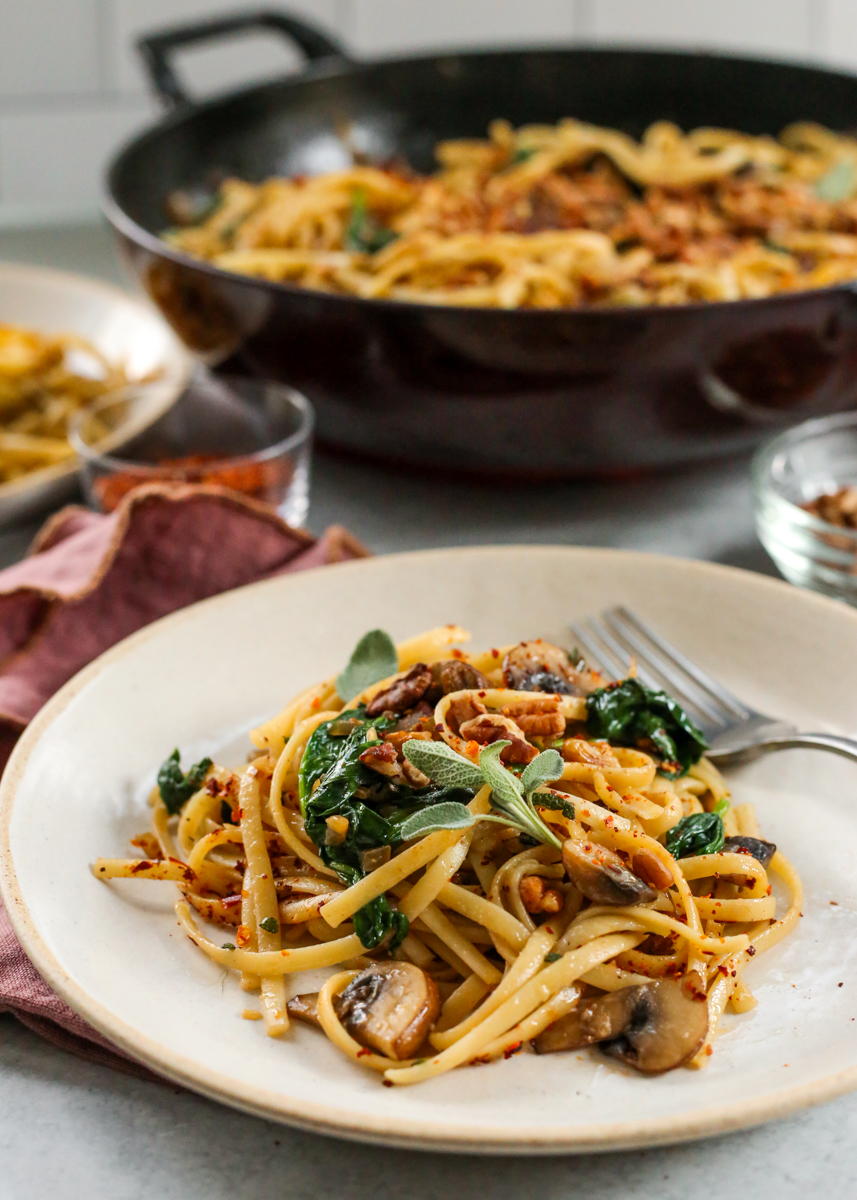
(157, 49)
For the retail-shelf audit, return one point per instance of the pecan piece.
(491, 727)
(537, 717)
(537, 897)
(462, 710)
(403, 693)
(454, 676)
(382, 758)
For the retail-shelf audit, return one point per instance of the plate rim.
(344, 1122)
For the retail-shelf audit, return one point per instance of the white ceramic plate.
(74, 790)
(124, 329)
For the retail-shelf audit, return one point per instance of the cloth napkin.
(91, 580)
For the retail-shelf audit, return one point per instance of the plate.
(75, 786)
(123, 328)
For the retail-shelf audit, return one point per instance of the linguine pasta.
(483, 869)
(553, 216)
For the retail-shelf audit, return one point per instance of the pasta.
(44, 380)
(492, 852)
(553, 216)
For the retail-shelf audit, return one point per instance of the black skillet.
(523, 393)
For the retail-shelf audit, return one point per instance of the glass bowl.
(813, 459)
(245, 435)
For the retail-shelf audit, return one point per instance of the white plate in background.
(124, 329)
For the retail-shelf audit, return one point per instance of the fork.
(735, 732)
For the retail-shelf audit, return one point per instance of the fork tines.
(614, 639)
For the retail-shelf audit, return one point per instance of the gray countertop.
(70, 1128)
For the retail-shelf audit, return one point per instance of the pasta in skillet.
(552, 216)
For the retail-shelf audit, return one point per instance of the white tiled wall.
(71, 88)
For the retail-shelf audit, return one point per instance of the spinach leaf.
(700, 833)
(334, 782)
(175, 787)
(630, 714)
(376, 919)
(373, 659)
(364, 235)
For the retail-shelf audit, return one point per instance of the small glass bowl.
(245, 435)
(800, 465)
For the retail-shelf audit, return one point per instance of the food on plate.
(495, 852)
(44, 380)
(551, 216)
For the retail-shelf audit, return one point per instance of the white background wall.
(71, 89)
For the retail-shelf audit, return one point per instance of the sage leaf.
(175, 787)
(545, 768)
(374, 658)
(442, 765)
(507, 788)
(840, 182)
(446, 815)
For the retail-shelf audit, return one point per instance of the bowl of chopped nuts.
(805, 496)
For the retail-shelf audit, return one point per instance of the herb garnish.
(631, 714)
(177, 788)
(839, 183)
(373, 658)
(511, 795)
(552, 957)
(700, 833)
(364, 234)
(270, 925)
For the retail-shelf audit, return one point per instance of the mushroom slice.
(304, 1008)
(758, 847)
(542, 667)
(389, 1007)
(594, 1021)
(601, 875)
(653, 1027)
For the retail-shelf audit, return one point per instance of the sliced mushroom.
(758, 847)
(453, 675)
(654, 1026)
(403, 693)
(304, 1008)
(389, 1007)
(542, 667)
(601, 875)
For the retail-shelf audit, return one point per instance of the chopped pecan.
(403, 693)
(419, 719)
(382, 758)
(538, 897)
(387, 759)
(463, 709)
(651, 870)
(537, 717)
(491, 727)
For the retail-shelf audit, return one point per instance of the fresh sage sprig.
(374, 658)
(512, 795)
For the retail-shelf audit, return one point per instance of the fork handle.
(846, 747)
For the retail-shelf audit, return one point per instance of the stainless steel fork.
(735, 732)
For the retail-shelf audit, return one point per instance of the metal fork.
(735, 732)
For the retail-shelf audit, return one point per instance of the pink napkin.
(88, 582)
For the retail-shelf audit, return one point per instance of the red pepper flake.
(387, 1083)
(835, 903)
(512, 1050)
(495, 653)
(709, 1050)
(458, 654)
(839, 985)
(316, 703)
(751, 950)
(142, 865)
(362, 1053)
